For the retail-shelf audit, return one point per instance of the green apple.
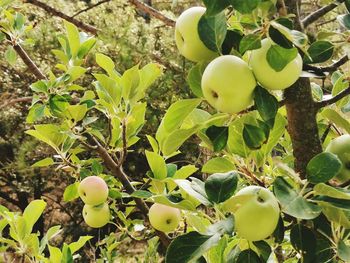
(256, 212)
(96, 216)
(340, 146)
(187, 37)
(267, 76)
(164, 218)
(93, 190)
(228, 84)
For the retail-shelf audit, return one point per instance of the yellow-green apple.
(164, 218)
(267, 76)
(228, 84)
(93, 190)
(187, 37)
(340, 146)
(96, 215)
(256, 212)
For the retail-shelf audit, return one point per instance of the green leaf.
(254, 136)
(157, 165)
(76, 112)
(323, 167)
(141, 194)
(279, 57)
(11, 55)
(336, 192)
(174, 201)
(194, 79)
(185, 172)
(245, 6)
(218, 137)
(71, 192)
(73, 37)
(44, 162)
(106, 63)
(215, 7)
(344, 20)
(264, 249)
(130, 82)
(48, 133)
(218, 165)
(248, 256)
(221, 186)
(36, 112)
(39, 86)
(175, 139)
(337, 118)
(194, 189)
(75, 246)
(32, 213)
(304, 241)
(249, 42)
(51, 233)
(319, 51)
(335, 202)
(266, 104)
(292, 203)
(85, 47)
(343, 251)
(55, 254)
(66, 254)
(212, 31)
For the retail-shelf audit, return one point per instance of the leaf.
(212, 31)
(266, 104)
(106, 63)
(218, 136)
(73, 37)
(253, 136)
(303, 240)
(323, 167)
(175, 139)
(249, 42)
(215, 7)
(44, 162)
(344, 20)
(319, 51)
(75, 246)
(194, 79)
(279, 57)
(221, 186)
(245, 6)
(292, 203)
(11, 55)
(336, 192)
(335, 202)
(338, 119)
(232, 41)
(141, 194)
(85, 47)
(76, 112)
(157, 165)
(185, 172)
(66, 254)
(55, 254)
(194, 190)
(343, 251)
(248, 256)
(174, 201)
(218, 165)
(71, 192)
(264, 249)
(32, 213)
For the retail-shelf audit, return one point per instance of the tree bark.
(301, 112)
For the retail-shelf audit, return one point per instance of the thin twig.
(153, 12)
(90, 7)
(320, 13)
(336, 98)
(125, 144)
(55, 12)
(15, 101)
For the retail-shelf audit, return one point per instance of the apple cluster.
(256, 212)
(93, 190)
(228, 81)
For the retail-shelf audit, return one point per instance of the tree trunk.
(301, 112)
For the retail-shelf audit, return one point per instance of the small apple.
(256, 212)
(93, 190)
(267, 76)
(96, 216)
(164, 218)
(228, 84)
(340, 146)
(187, 37)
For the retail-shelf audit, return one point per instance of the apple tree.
(269, 103)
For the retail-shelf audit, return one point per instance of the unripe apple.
(93, 190)
(96, 216)
(228, 84)
(340, 146)
(256, 212)
(267, 76)
(187, 37)
(164, 218)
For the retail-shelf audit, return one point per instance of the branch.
(27, 60)
(90, 7)
(15, 101)
(336, 98)
(319, 13)
(55, 12)
(331, 68)
(153, 12)
(118, 172)
(7, 198)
